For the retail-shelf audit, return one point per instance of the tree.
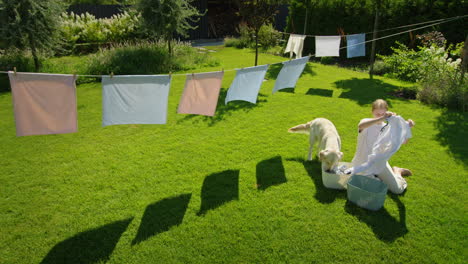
(30, 24)
(256, 13)
(164, 18)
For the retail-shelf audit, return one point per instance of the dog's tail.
(302, 128)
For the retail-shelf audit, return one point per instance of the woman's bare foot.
(402, 171)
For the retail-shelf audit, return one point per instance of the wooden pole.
(374, 36)
(463, 71)
(305, 22)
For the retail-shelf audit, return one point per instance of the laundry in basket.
(336, 179)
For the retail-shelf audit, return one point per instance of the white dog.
(323, 131)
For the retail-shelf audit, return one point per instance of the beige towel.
(44, 103)
(201, 93)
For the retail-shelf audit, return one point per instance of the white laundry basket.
(336, 181)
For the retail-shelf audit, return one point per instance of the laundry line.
(442, 20)
(281, 62)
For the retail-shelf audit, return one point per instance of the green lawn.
(234, 188)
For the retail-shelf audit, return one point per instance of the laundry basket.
(336, 181)
(367, 192)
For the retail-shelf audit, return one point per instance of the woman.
(369, 130)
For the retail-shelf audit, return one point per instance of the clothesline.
(442, 20)
(310, 55)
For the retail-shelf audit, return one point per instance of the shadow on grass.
(365, 91)
(453, 131)
(322, 194)
(223, 110)
(218, 189)
(385, 227)
(90, 246)
(320, 92)
(161, 216)
(270, 172)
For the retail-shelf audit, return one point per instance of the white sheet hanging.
(388, 142)
(246, 84)
(290, 73)
(135, 99)
(295, 44)
(327, 46)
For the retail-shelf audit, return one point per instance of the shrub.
(327, 60)
(435, 69)
(23, 61)
(268, 37)
(403, 64)
(147, 58)
(380, 67)
(441, 81)
(246, 38)
(233, 42)
(85, 28)
(432, 38)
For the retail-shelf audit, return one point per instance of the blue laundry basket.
(367, 192)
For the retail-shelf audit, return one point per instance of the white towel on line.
(327, 46)
(295, 44)
(138, 99)
(246, 84)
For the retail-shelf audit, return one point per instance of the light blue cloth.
(135, 99)
(290, 73)
(246, 84)
(356, 46)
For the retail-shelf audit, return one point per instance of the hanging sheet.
(246, 84)
(355, 45)
(201, 93)
(44, 103)
(327, 46)
(290, 73)
(138, 99)
(295, 45)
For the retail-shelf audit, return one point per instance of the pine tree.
(164, 18)
(30, 25)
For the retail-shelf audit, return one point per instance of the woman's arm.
(365, 124)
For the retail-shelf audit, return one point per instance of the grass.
(233, 188)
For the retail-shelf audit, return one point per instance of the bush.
(23, 61)
(441, 81)
(268, 37)
(147, 58)
(435, 69)
(86, 28)
(11, 58)
(233, 42)
(404, 63)
(380, 67)
(327, 60)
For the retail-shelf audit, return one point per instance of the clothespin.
(112, 74)
(14, 70)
